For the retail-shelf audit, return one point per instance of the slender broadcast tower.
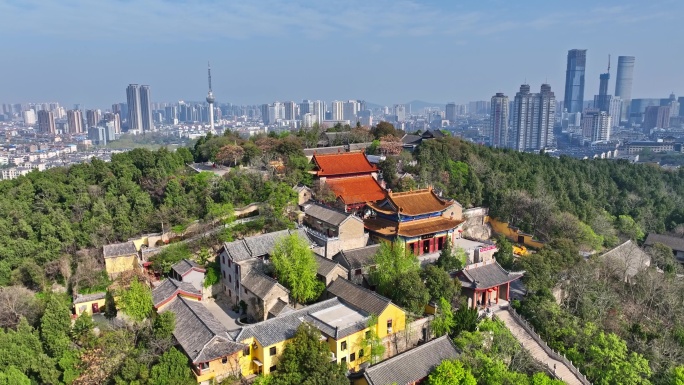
(210, 100)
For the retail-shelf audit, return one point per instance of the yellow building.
(120, 257)
(89, 303)
(514, 234)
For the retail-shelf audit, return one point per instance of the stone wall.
(412, 336)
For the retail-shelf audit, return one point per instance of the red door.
(96, 308)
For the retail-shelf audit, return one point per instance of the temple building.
(486, 282)
(420, 219)
(351, 177)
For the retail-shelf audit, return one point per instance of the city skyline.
(90, 65)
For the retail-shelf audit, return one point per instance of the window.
(344, 345)
(361, 353)
(352, 357)
(224, 360)
(245, 351)
(223, 259)
(237, 288)
(230, 277)
(229, 293)
(230, 263)
(368, 332)
(343, 360)
(389, 326)
(357, 272)
(224, 275)
(272, 351)
(245, 290)
(236, 268)
(272, 369)
(203, 366)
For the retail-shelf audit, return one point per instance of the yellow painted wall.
(354, 345)
(117, 265)
(504, 229)
(89, 306)
(217, 369)
(360, 381)
(398, 317)
(262, 354)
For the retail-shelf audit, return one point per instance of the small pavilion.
(484, 283)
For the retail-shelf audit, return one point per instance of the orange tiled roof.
(417, 202)
(410, 229)
(356, 189)
(343, 163)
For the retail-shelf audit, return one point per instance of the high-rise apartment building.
(46, 122)
(623, 84)
(29, 117)
(533, 118)
(319, 110)
(656, 117)
(596, 125)
(171, 114)
(400, 112)
(498, 121)
(672, 103)
(337, 110)
(290, 110)
(350, 111)
(75, 121)
(305, 107)
(146, 109)
(574, 80)
(93, 118)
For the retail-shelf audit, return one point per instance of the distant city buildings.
(533, 118)
(75, 121)
(139, 108)
(656, 117)
(498, 121)
(574, 80)
(46, 122)
(596, 125)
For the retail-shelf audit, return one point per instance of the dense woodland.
(53, 223)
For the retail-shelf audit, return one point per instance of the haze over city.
(384, 52)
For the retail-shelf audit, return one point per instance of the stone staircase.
(530, 341)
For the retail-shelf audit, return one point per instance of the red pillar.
(508, 291)
(496, 293)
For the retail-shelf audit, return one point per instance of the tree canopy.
(295, 267)
(136, 301)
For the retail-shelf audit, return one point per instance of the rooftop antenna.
(608, 63)
(209, 72)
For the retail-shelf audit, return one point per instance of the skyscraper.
(46, 122)
(210, 99)
(350, 111)
(75, 121)
(93, 118)
(498, 121)
(134, 109)
(450, 112)
(533, 118)
(574, 80)
(400, 112)
(337, 110)
(290, 111)
(146, 109)
(623, 84)
(656, 117)
(596, 125)
(602, 102)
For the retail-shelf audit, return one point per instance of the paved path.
(222, 312)
(535, 349)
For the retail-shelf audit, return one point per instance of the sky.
(384, 51)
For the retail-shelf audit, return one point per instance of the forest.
(52, 224)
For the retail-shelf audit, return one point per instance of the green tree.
(82, 331)
(676, 376)
(306, 361)
(172, 369)
(629, 228)
(504, 254)
(164, 325)
(295, 267)
(392, 260)
(438, 282)
(410, 293)
(389, 170)
(451, 372)
(110, 305)
(168, 257)
(371, 344)
(136, 301)
(55, 325)
(608, 362)
(465, 319)
(13, 376)
(450, 259)
(444, 319)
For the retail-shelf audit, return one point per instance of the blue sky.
(385, 51)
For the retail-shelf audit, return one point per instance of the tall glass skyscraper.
(574, 80)
(623, 83)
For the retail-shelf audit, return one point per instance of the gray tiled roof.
(119, 249)
(357, 296)
(202, 337)
(672, 242)
(258, 245)
(485, 276)
(325, 265)
(411, 139)
(413, 365)
(283, 327)
(80, 298)
(280, 307)
(357, 258)
(628, 259)
(169, 287)
(185, 265)
(260, 284)
(325, 214)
